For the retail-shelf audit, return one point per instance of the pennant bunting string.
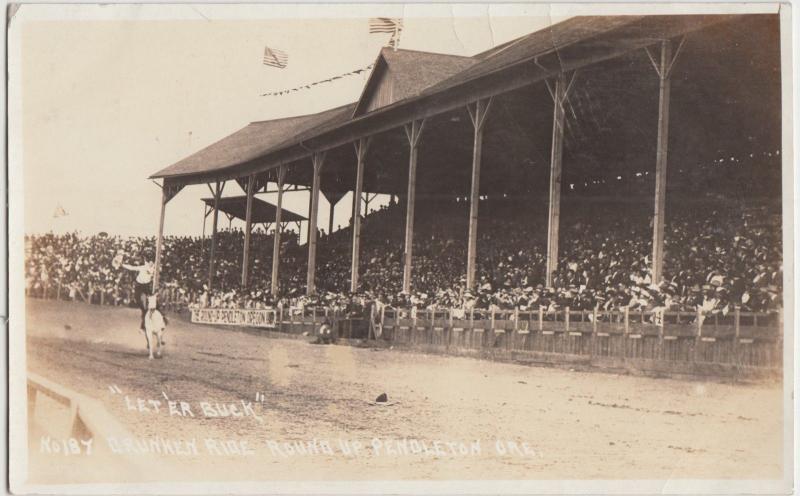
(315, 83)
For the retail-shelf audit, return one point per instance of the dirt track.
(577, 425)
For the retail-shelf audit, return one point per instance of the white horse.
(154, 326)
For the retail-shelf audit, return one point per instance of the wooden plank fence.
(741, 339)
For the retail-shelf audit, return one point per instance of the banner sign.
(234, 316)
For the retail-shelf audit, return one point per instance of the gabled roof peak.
(400, 73)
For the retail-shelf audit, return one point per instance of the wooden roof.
(250, 142)
(407, 73)
(263, 211)
(605, 48)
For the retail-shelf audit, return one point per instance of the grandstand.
(534, 177)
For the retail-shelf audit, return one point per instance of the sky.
(107, 102)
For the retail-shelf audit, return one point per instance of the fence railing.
(169, 298)
(738, 338)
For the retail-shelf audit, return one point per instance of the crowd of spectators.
(719, 255)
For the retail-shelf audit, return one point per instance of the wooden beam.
(361, 147)
(160, 240)
(247, 230)
(413, 133)
(279, 227)
(556, 153)
(217, 194)
(205, 217)
(662, 144)
(317, 160)
(331, 211)
(478, 116)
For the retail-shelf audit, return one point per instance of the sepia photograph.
(400, 248)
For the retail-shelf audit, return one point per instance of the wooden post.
(217, 194)
(413, 133)
(450, 329)
(317, 160)
(205, 217)
(330, 216)
(248, 227)
(276, 242)
(699, 323)
(478, 117)
(626, 315)
(556, 153)
(361, 151)
(663, 69)
(159, 239)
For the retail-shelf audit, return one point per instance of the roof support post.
(559, 95)
(367, 199)
(663, 70)
(167, 193)
(159, 240)
(248, 227)
(361, 146)
(330, 216)
(205, 217)
(317, 160)
(478, 116)
(413, 133)
(217, 192)
(279, 226)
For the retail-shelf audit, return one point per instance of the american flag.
(275, 58)
(393, 25)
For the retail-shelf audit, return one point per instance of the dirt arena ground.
(529, 423)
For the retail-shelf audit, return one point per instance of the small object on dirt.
(67, 327)
(305, 333)
(572, 370)
(522, 382)
(382, 398)
(611, 443)
(293, 365)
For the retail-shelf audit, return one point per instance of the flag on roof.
(275, 58)
(393, 25)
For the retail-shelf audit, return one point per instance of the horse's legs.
(143, 308)
(149, 345)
